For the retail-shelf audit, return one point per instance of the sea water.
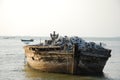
(14, 67)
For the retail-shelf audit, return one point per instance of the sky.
(86, 18)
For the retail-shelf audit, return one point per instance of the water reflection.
(34, 74)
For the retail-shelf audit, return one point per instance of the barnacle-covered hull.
(53, 59)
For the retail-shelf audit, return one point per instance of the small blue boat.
(27, 40)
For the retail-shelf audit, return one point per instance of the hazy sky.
(86, 18)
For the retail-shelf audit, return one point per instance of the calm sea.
(13, 65)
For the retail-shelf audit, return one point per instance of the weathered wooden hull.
(64, 62)
(50, 66)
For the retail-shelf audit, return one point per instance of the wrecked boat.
(71, 55)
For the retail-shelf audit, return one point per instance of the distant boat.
(27, 40)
